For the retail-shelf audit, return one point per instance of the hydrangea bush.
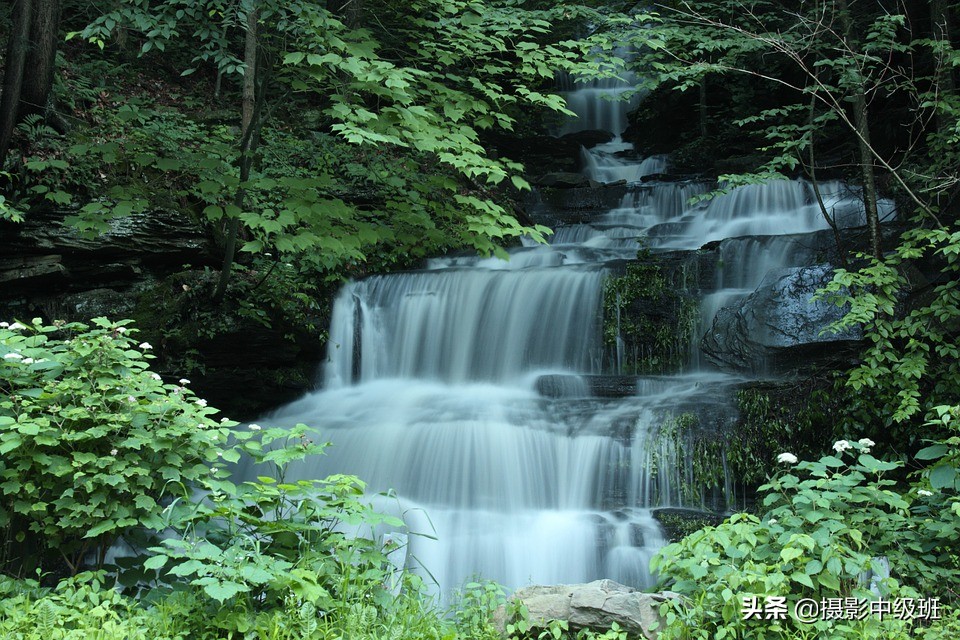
(828, 529)
(92, 442)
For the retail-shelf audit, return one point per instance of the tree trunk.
(248, 122)
(41, 58)
(862, 126)
(703, 107)
(13, 75)
(940, 27)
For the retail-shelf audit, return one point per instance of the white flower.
(924, 493)
(121, 329)
(131, 399)
(224, 420)
(772, 521)
(201, 402)
(255, 427)
(145, 346)
(13, 355)
(866, 444)
(183, 381)
(4, 325)
(113, 452)
(787, 458)
(16, 326)
(201, 426)
(840, 446)
(28, 361)
(156, 376)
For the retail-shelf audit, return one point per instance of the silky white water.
(430, 388)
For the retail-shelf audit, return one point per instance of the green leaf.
(790, 553)
(829, 581)
(223, 591)
(155, 562)
(803, 579)
(943, 476)
(933, 452)
(103, 527)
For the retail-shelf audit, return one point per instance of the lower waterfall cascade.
(434, 386)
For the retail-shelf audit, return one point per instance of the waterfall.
(466, 324)
(464, 388)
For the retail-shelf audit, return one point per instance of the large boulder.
(596, 605)
(779, 327)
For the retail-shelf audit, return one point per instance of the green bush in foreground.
(92, 442)
(827, 526)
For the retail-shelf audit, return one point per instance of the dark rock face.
(573, 203)
(568, 386)
(540, 153)
(139, 269)
(566, 180)
(50, 269)
(778, 328)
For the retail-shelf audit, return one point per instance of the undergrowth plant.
(828, 530)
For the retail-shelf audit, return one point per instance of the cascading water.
(465, 387)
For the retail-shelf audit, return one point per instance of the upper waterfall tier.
(466, 324)
(601, 104)
(661, 215)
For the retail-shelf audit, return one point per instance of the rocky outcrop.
(779, 327)
(596, 606)
(149, 267)
(570, 386)
(45, 255)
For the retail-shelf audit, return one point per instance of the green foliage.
(912, 361)
(93, 442)
(826, 523)
(680, 439)
(77, 609)
(96, 446)
(799, 415)
(269, 538)
(419, 103)
(646, 313)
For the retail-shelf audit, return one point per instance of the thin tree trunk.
(816, 187)
(13, 74)
(940, 26)
(703, 107)
(862, 123)
(41, 58)
(251, 102)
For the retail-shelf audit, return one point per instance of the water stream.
(434, 384)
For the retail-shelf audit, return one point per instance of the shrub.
(93, 443)
(827, 525)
